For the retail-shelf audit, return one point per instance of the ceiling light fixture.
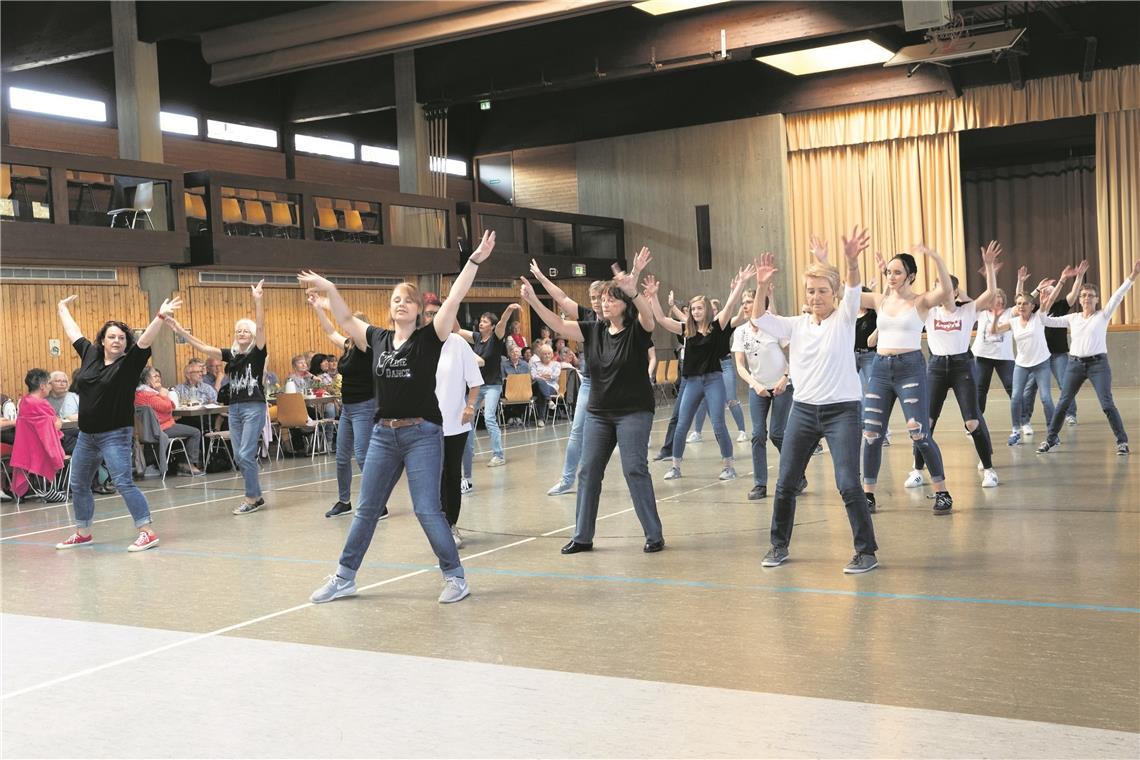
(843, 55)
(661, 7)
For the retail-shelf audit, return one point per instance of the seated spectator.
(272, 383)
(37, 454)
(66, 406)
(514, 333)
(151, 393)
(546, 373)
(528, 355)
(535, 351)
(216, 374)
(568, 358)
(301, 378)
(320, 379)
(7, 435)
(195, 390)
(513, 364)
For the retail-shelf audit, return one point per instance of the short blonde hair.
(824, 272)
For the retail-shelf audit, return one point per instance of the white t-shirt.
(1088, 335)
(948, 333)
(823, 364)
(766, 361)
(991, 345)
(1030, 336)
(457, 371)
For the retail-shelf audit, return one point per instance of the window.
(450, 165)
(324, 146)
(56, 105)
(243, 133)
(177, 123)
(378, 155)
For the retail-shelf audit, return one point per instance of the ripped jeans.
(901, 376)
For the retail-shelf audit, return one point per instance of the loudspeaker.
(925, 14)
(704, 244)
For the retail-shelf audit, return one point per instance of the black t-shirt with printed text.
(246, 372)
(491, 351)
(405, 377)
(355, 368)
(619, 368)
(704, 352)
(107, 391)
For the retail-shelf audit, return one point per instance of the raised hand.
(991, 252)
(1067, 272)
(818, 247)
(1046, 283)
(997, 268)
(316, 300)
(513, 307)
(311, 280)
(880, 262)
(922, 250)
(1022, 274)
(856, 244)
(526, 290)
(1135, 270)
(765, 270)
(643, 259)
(650, 286)
(257, 289)
(672, 301)
(168, 306)
(67, 302)
(535, 269)
(626, 282)
(745, 274)
(486, 245)
(1082, 268)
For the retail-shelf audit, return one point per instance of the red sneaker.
(74, 541)
(143, 542)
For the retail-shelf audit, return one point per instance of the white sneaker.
(335, 587)
(989, 479)
(980, 468)
(741, 437)
(1071, 419)
(496, 462)
(694, 437)
(673, 474)
(914, 480)
(728, 473)
(541, 423)
(457, 537)
(4, 496)
(454, 589)
(466, 486)
(1027, 430)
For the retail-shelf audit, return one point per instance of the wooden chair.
(231, 215)
(671, 376)
(292, 414)
(661, 379)
(559, 399)
(354, 227)
(518, 391)
(281, 219)
(196, 211)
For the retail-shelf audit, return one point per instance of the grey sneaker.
(1071, 419)
(1051, 442)
(335, 587)
(673, 474)
(728, 473)
(694, 437)
(777, 555)
(454, 589)
(496, 462)
(560, 488)
(1122, 449)
(861, 563)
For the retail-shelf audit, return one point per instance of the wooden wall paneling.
(66, 136)
(546, 178)
(192, 155)
(29, 308)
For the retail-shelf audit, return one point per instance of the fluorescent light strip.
(845, 55)
(661, 7)
(56, 105)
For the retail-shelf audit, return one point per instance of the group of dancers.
(412, 389)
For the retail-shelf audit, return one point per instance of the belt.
(400, 422)
(1087, 359)
(864, 350)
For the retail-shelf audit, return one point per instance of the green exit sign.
(484, 105)
(579, 270)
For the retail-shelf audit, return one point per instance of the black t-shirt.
(405, 376)
(245, 372)
(355, 368)
(864, 326)
(491, 351)
(107, 391)
(585, 315)
(703, 352)
(619, 381)
(1057, 338)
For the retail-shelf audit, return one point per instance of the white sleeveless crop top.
(902, 332)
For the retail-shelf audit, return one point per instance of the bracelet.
(161, 316)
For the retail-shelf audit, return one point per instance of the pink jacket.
(37, 449)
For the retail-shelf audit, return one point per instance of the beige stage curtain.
(1118, 205)
(905, 191)
(1000, 105)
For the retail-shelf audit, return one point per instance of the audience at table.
(195, 389)
(151, 393)
(37, 455)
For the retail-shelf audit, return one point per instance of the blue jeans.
(419, 450)
(1021, 377)
(630, 433)
(489, 400)
(671, 431)
(728, 373)
(1096, 370)
(574, 444)
(956, 372)
(759, 407)
(839, 424)
(114, 448)
(985, 369)
(709, 386)
(352, 436)
(1058, 363)
(863, 362)
(247, 419)
(901, 376)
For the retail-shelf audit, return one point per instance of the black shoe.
(802, 486)
(338, 509)
(871, 505)
(383, 514)
(652, 546)
(943, 503)
(758, 492)
(574, 547)
(661, 455)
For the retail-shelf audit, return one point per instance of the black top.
(585, 315)
(245, 372)
(620, 368)
(703, 352)
(355, 368)
(107, 391)
(492, 352)
(1057, 338)
(405, 376)
(864, 326)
